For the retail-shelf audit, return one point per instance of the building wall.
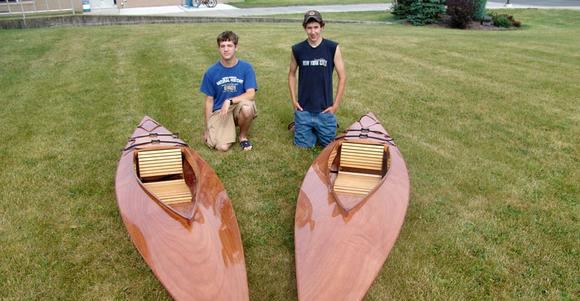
(146, 3)
(18, 6)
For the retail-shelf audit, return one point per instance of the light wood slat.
(369, 148)
(159, 159)
(154, 160)
(363, 151)
(362, 156)
(359, 179)
(165, 184)
(161, 169)
(350, 191)
(376, 165)
(373, 153)
(355, 183)
(363, 161)
(160, 162)
(361, 166)
(370, 175)
(170, 192)
(160, 173)
(161, 151)
(362, 145)
(176, 165)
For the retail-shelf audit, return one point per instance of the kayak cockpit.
(168, 177)
(359, 168)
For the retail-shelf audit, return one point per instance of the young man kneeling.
(230, 88)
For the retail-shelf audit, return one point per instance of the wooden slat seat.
(361, 166)
(357, 183)
(170, 192)
(164, 162)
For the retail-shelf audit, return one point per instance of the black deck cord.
(154, 141)
(389, 141)
(366, 130)
(176, 135)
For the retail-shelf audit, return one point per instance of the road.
(225, 10)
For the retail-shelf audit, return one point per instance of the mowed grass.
(488, 123)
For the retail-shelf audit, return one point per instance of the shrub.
(401, 8)
(514, 21)
(419, 12)
(502, 21)
(460, 12)
(505, 21)
(426, 11)
(479, 9)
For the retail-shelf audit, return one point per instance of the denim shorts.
(310, 127)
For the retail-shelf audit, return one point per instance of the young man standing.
(314, 107)
(230, 87)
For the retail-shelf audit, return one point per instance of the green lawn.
(488, 122)
(373, 16)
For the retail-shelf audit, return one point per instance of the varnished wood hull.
(195, 258)
(340, 252)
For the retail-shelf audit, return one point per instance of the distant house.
(145, 3)
(19, 6)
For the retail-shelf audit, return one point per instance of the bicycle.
(208, 3)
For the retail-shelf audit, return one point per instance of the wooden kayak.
(179, 217)
(350, 209)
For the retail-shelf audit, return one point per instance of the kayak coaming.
(340, 252)
(196, 257)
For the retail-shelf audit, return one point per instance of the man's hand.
(205, 136)
(330, 109)
(225, 107)
(297, 106)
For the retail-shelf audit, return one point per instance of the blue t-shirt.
(315, 67)
(222, 82)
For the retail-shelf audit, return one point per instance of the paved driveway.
(225, 10)
(546, 3)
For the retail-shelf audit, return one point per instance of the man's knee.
(223, 147)
(246, 112)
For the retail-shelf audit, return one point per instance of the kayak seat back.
(161, 164)
(361, 167)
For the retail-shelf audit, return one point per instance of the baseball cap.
(312, 14)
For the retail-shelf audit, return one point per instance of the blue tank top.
(315, 67)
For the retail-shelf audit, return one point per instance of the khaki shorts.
(222, 129)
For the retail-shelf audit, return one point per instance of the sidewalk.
(540, 4)
(225, 10)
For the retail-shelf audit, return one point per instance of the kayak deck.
(342, 237)
(179, 217)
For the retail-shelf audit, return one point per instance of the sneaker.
(246, 145)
